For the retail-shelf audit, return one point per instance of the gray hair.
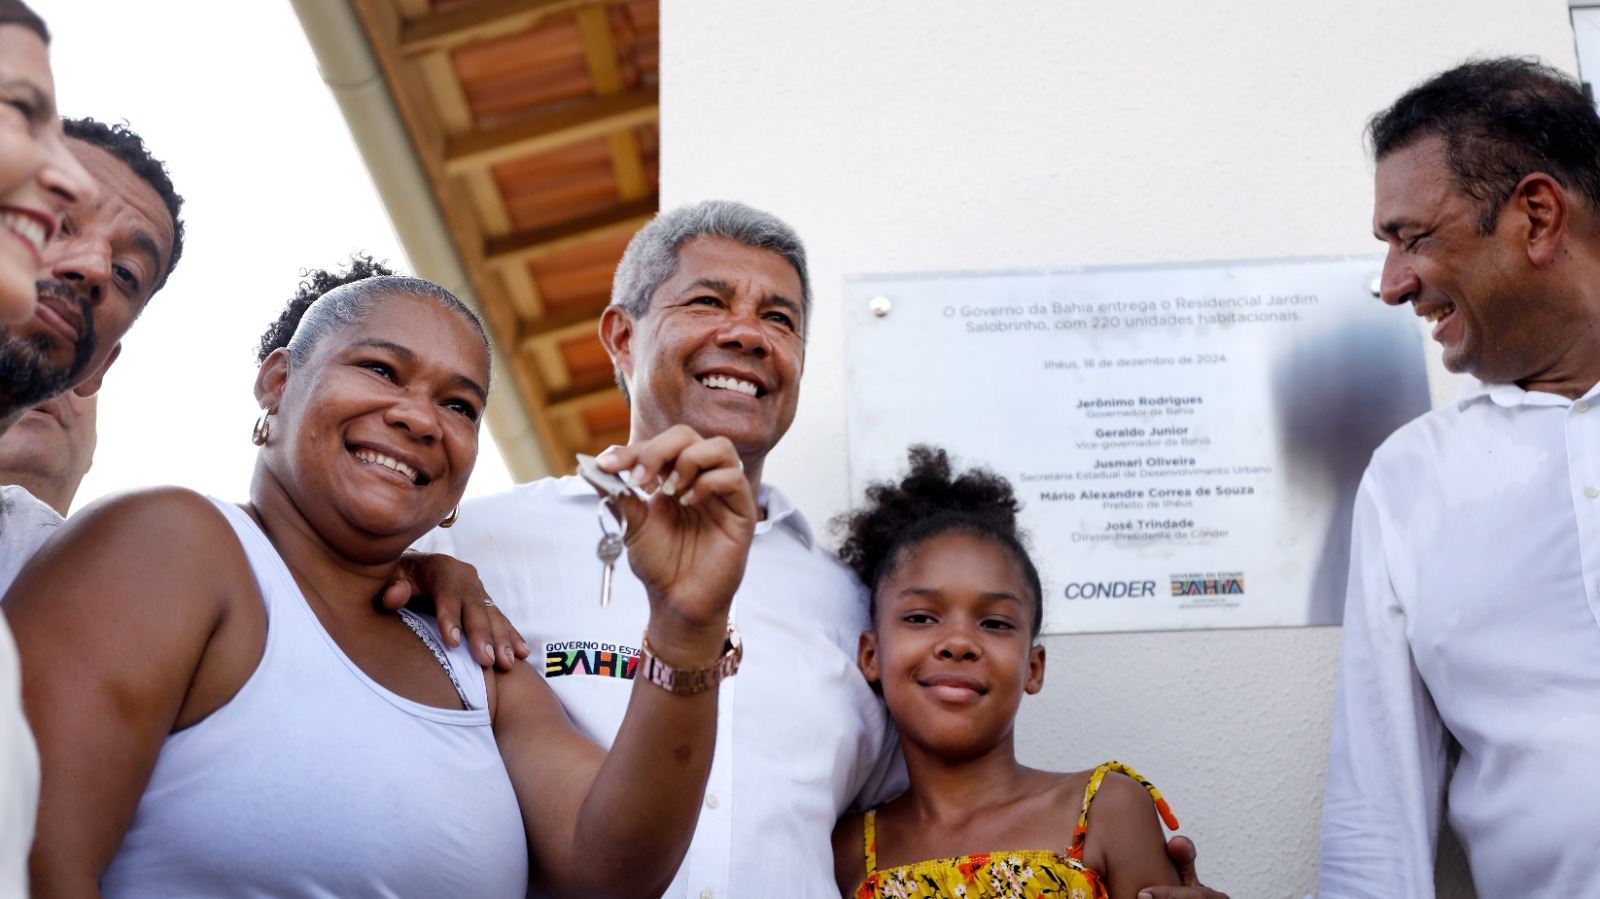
(329, 302)
(652, 255)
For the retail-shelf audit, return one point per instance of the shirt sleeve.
(1387, 760)
(887, 777)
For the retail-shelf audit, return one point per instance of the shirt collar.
(1510, 395)
(780, 509)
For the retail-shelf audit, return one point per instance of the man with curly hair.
(1471, 654)
(706, 329)
(98, 273)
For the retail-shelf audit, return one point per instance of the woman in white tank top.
(223, 708)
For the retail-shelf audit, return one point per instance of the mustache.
(83, 351)
(63, 291)
(28, 376)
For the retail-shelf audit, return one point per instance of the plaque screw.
(880, 306)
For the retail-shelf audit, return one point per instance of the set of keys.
(609, 510)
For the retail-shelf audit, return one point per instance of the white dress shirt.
(1473, 626)
(799, 732)
(25, 523)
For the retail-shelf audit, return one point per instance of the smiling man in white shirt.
(1471, 658)
(707, 327)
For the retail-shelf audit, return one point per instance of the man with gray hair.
(706, 328)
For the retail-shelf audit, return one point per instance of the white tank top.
(314, 781)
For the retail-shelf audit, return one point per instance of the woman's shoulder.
(154, 516)
(168, 500)
(139, 531)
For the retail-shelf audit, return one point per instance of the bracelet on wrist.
(695, 680)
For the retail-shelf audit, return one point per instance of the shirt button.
(711, 798)
(1582, 406)
(1591, 492)
(706, 894)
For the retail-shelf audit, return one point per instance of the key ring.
(609, 503)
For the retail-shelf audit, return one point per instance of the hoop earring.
(258, 434)
(454, 514)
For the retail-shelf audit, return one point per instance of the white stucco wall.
(941, 135)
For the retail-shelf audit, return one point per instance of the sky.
(228, 95)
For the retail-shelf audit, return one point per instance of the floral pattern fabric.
(1026, 874)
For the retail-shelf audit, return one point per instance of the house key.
(610, 544)
(611, 486)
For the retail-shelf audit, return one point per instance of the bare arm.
(113, 618)
(688, 546)
(1182, 852)
(1125, 835)
(656, 771)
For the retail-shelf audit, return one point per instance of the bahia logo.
(1211, 586)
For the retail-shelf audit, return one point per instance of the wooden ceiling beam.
(572, 401)
(412, 9)
(533, 331)
(544, 131)
(520, 247)
(600, 55)
(442, 32)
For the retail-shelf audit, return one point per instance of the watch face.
(698, 680)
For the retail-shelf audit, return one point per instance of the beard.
(27, 376)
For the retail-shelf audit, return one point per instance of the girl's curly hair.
(931, 500)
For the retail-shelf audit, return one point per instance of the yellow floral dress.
(1025, 874)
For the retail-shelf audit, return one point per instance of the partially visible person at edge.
(706, 328)
(242, 759)
(39, 178)
(49, 450)
(956, 608)
(1471, 655)
(96, 273)
(114, 252)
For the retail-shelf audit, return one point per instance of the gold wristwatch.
(696, 680)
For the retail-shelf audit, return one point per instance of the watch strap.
(695, 680)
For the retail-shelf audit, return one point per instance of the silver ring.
(488, 602)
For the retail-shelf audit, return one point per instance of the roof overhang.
(513, 144)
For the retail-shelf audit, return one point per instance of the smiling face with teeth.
(374, 436)
(39, 178)
(720, 348)
(1494, 308)
(98, 274)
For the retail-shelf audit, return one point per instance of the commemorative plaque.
(1186, 440)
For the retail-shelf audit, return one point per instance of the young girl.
(956, 611)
